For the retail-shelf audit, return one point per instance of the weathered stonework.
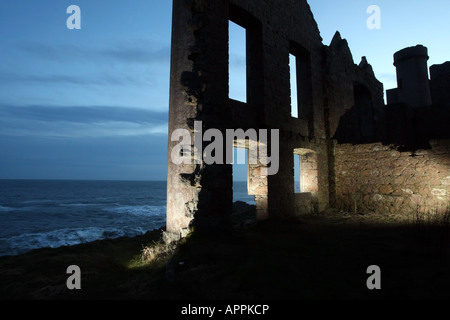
(373, 177)
(199, 91)
(341, 134)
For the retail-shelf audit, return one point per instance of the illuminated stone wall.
(378, 178)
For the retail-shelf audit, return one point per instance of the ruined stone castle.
(355, 151)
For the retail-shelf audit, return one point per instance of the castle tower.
(413, 87)
(440, 84)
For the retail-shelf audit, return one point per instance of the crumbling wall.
(355, 105)
(338, 100)
(198, 91)
(379, 178)
(201, 192)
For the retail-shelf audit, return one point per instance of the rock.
(386, 189)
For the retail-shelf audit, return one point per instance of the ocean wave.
(40, 201)
(62, 237)
(5, 209)
(80, 204)
(146, 211)
(21, 209)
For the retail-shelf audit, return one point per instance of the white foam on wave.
(146, 211)
(63, 237)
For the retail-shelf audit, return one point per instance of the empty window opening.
(307, 171)
(300, 81)
(296, 173)
(293, 79)
(240, 176)
(237, 62)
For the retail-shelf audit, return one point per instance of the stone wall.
(378, 178)
(354, 97)
(304, 203)
(199, 92)
(330, 86)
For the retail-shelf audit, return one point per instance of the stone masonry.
(379, 178)
(340, 135)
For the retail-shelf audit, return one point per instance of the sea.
(54, 213)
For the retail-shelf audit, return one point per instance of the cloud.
(48, 51)
(137, 51)
(80, 122)
(137, 54)
(136, 63)
(66, 129)
(102, 78)
(82, 113)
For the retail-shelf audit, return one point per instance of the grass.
(321, 256)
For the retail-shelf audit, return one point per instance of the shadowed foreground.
(320, 257)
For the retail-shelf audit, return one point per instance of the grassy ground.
(317, 257)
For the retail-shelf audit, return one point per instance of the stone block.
(439, 192)
(386, 189)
